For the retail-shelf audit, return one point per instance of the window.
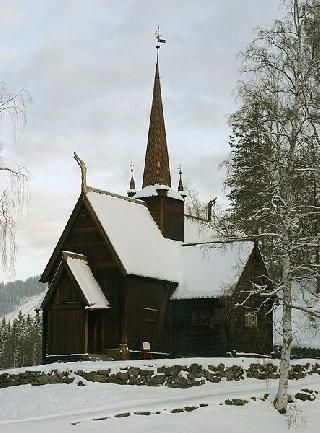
(150, 314)
(250, 319)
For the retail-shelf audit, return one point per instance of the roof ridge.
(112, 194)
(73, 255)
(204, 220)
(225, 241)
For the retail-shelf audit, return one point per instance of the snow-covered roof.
(211, 270)
(200, 270)
(152, 191)
(198, 230)
(81, 271)
(136, 237)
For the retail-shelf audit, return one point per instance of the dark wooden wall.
(86, 238)
(65, 319)
(247, 339)
(147, 316)
(168, 213)
(198, 327)
(141, 309)
(211, 327)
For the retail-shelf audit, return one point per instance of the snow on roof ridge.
(66, 254)
(201, 219)
(112, 194)
(217, 241)
(152, 191)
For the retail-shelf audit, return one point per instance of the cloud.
(89, 67)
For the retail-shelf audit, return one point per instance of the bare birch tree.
(13, 178)
(274, 169)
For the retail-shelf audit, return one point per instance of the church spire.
(157, 169)
(132, 185)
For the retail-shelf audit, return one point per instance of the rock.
(190, 408)
(234, 373)
(178, 410)
(217, 368)
(164, 370)
(212, 377)
(122, 415)
(304, 396)
(142, 413)
(236, 402)
(195, 370)
(156, 380)
(80, 383)
(133, 372)
(203, 405)
(96, 377)
(308, 391)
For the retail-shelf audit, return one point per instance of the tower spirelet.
(180, 185)
(132, 186)
(157, 168)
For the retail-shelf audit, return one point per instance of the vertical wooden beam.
(123, 348)
(44, 335)
(86, 331)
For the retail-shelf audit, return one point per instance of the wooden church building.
(128, 270)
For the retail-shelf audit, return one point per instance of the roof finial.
(160, 40)
(132, 187)
(180, 185)
(83, 169)
(211, 205)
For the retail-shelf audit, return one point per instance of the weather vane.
(159, 38)
(131, 167)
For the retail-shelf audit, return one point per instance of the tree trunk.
(281, 401)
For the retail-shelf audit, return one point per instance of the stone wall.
(175, 376)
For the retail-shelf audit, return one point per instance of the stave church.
(135, 269)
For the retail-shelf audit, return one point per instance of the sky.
(89, 67)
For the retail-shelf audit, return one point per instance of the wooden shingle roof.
(156, 168)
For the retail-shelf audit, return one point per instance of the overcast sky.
(89, 67)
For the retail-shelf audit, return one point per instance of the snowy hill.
(27, 306)
(15, 293)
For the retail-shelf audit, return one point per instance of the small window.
(150, 314)
(250, 319)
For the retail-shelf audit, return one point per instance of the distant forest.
(11, 294)
(21, 341)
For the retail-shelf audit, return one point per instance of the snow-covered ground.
(71, 408)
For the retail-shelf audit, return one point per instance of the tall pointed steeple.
(156, 168)
(165, 205)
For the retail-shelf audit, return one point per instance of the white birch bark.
(281, 401)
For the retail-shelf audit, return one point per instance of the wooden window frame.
(150, 314)
(251, 319)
